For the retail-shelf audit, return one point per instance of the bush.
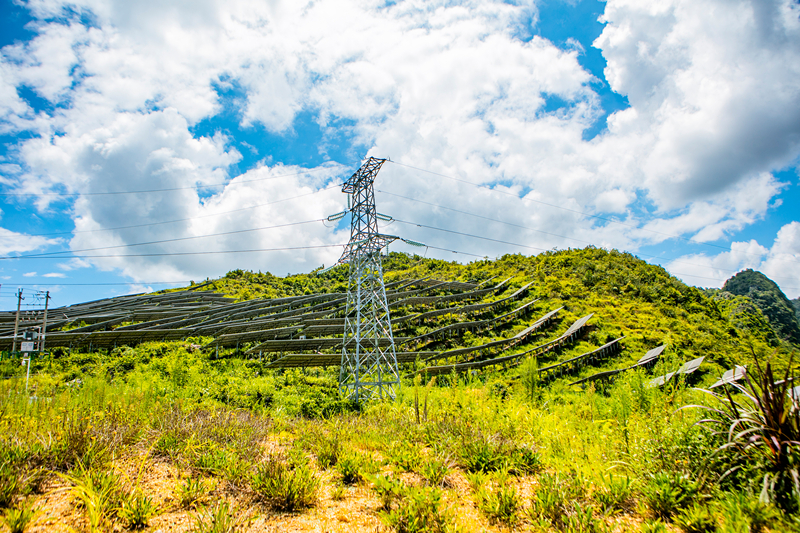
(614, 494)
(285, 487)
(434, 470)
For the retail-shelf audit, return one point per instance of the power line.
(609, 220)
(333, 186)
(48, 254)
(675, 261)
(194, 187)
(168, 254)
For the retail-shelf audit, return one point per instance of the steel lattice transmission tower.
(369, 361)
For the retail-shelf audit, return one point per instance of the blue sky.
(154, 142)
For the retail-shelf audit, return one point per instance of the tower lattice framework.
(369, 361)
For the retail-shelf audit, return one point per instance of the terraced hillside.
(540, 393)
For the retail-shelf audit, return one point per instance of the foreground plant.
(221, 518)
(285, 486)
(17, 519)
(761, 429)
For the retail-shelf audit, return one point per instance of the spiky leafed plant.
(761, 429)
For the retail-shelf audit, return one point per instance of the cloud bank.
(125, 90)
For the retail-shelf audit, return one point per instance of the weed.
(434, 470)
(476, 480)
(9, 483)
(98, 494)
(614, 494)
(696, 519)
(192, 492)
(500, 505)
(284, 487)
(655, 526)
(405, 455)
(665, 494)
(418, 511)
(137, 510)
(350, 467)
(524, 460)
(480, 453)
(221, 519)
(549, 502)
(327, 448)
(581, 520)
(17, 519)
(743, 512)
(388, 489)
(338, 493)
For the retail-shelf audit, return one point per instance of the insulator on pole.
(413, 243)
(336, 216)
(385, 218)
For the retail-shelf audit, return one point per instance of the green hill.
(162, 409)
(769, 298)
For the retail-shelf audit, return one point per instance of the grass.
(229, 433)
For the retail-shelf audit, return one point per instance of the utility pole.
(16, 321)
(44, 322)
(369, 360)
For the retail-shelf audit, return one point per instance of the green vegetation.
(769, 298)
(147, 435)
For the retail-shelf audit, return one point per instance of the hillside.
(769, 298)
(200, 420)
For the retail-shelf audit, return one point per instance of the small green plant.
(350, 467)
(744, 512)
(524, 460)
(98, 493)
(655, 526)
(549, 502)
(17, 519)
(480, 453)
(581, 520)
(388, 489)
(434, 470)
(418, 511)
(192, 492)
(500, 505)
(476, 480)
(696, 519)
(405, 455)
(137, 510)
(283, 486)
(613, 494)
(339, 492)
(665, 494)
(327, 448)
(221, 519)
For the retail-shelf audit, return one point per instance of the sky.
(146, 144)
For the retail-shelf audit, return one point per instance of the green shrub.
(743, 512)
(285, 487)
(480, 453)
(99, 494)
(581, 520)
(350, 466)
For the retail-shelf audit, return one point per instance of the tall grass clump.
(284, 486)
